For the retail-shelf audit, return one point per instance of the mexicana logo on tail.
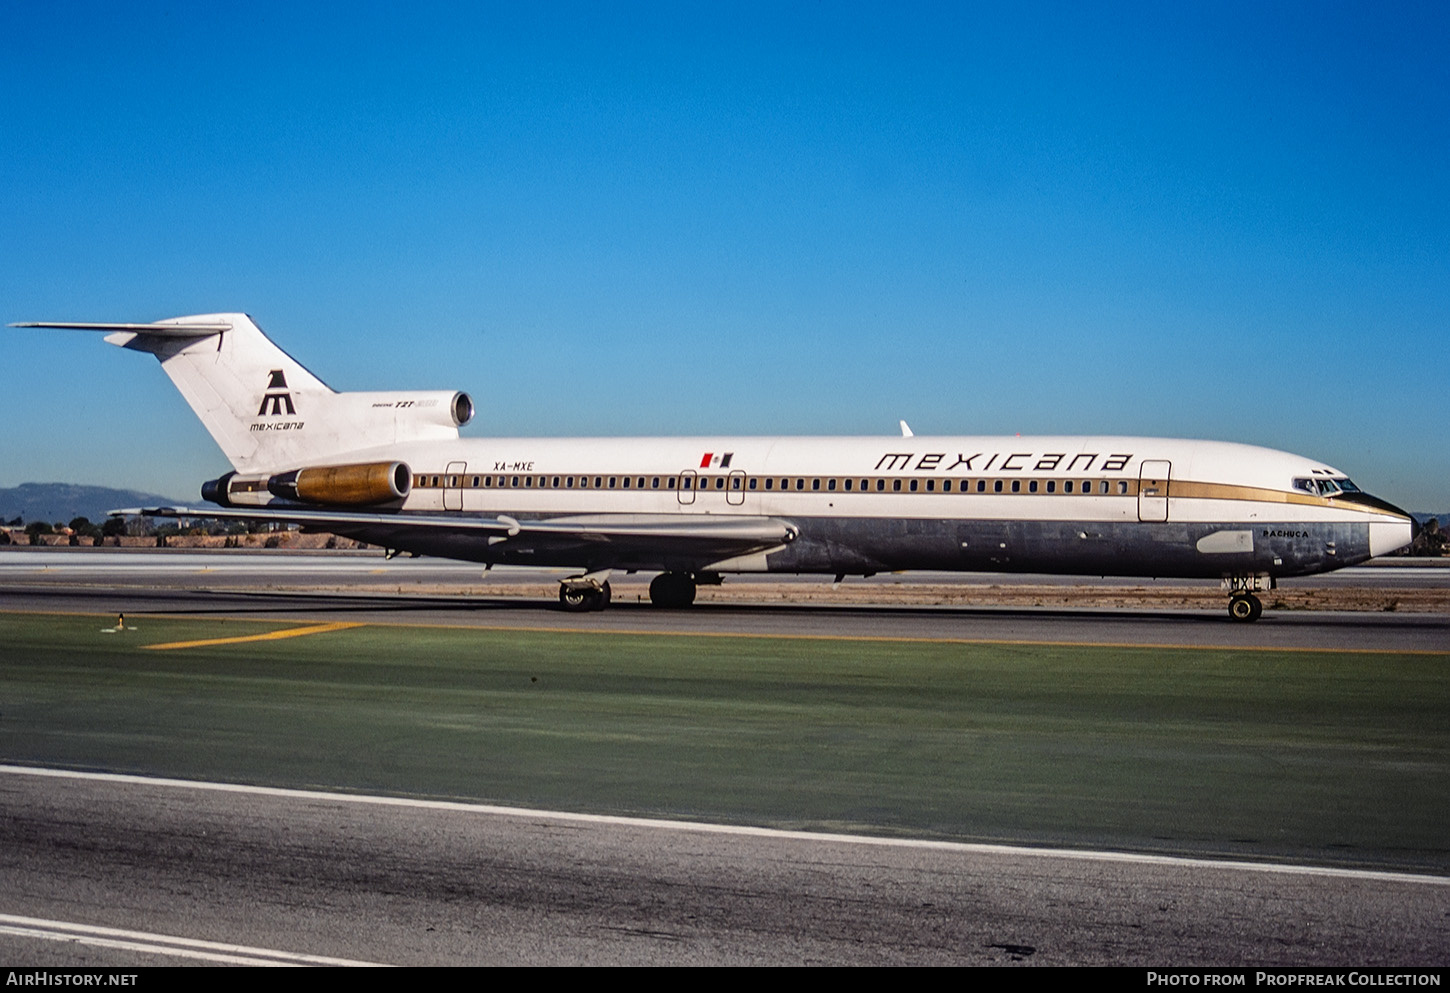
(279, 402)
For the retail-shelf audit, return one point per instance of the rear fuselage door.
(453, 486)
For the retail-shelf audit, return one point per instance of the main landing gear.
(1243, 606)
(579, 594)
(584, 593)
(672, 590)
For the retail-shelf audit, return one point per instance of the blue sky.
(1206, 220)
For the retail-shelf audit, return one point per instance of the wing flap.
(736, 534)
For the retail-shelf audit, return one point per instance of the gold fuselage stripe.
(1177, 489)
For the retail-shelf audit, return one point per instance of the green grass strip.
(1336, 756)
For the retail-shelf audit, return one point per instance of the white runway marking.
(160, 944)
(1087, 855)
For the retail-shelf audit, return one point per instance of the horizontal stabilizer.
(165, 330)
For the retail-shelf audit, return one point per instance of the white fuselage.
(1093, 504)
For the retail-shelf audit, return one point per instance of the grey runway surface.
(137, 582)
(298, 874)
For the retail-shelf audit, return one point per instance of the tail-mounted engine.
(329, 486)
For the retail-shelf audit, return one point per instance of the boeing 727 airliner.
(389, 468)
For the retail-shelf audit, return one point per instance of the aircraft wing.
(630, 536)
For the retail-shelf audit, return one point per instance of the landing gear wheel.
(581, 599)
(1245, 607)
(576, 601)
(672, 590)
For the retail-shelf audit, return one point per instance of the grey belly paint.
(856, 545)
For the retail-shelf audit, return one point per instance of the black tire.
(1245, 607)
(579, 600)
(672, 590)
(582, 599)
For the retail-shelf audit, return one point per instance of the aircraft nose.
(1390, 536)
(1394, 531)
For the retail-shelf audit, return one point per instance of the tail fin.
(263, 408)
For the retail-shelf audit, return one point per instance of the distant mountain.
(63, 502)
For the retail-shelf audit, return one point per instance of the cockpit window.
(1325, 487)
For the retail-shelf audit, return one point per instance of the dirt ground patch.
(1146, 597)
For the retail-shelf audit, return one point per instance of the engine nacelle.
(409, 416)
(345, 485)
(237, 490)
(361, 485)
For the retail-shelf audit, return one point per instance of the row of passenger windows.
(813, 484)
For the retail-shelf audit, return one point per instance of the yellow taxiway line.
(269, 636)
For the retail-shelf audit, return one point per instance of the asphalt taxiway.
(170, 872)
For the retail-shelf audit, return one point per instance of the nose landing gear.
(1243, 606)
